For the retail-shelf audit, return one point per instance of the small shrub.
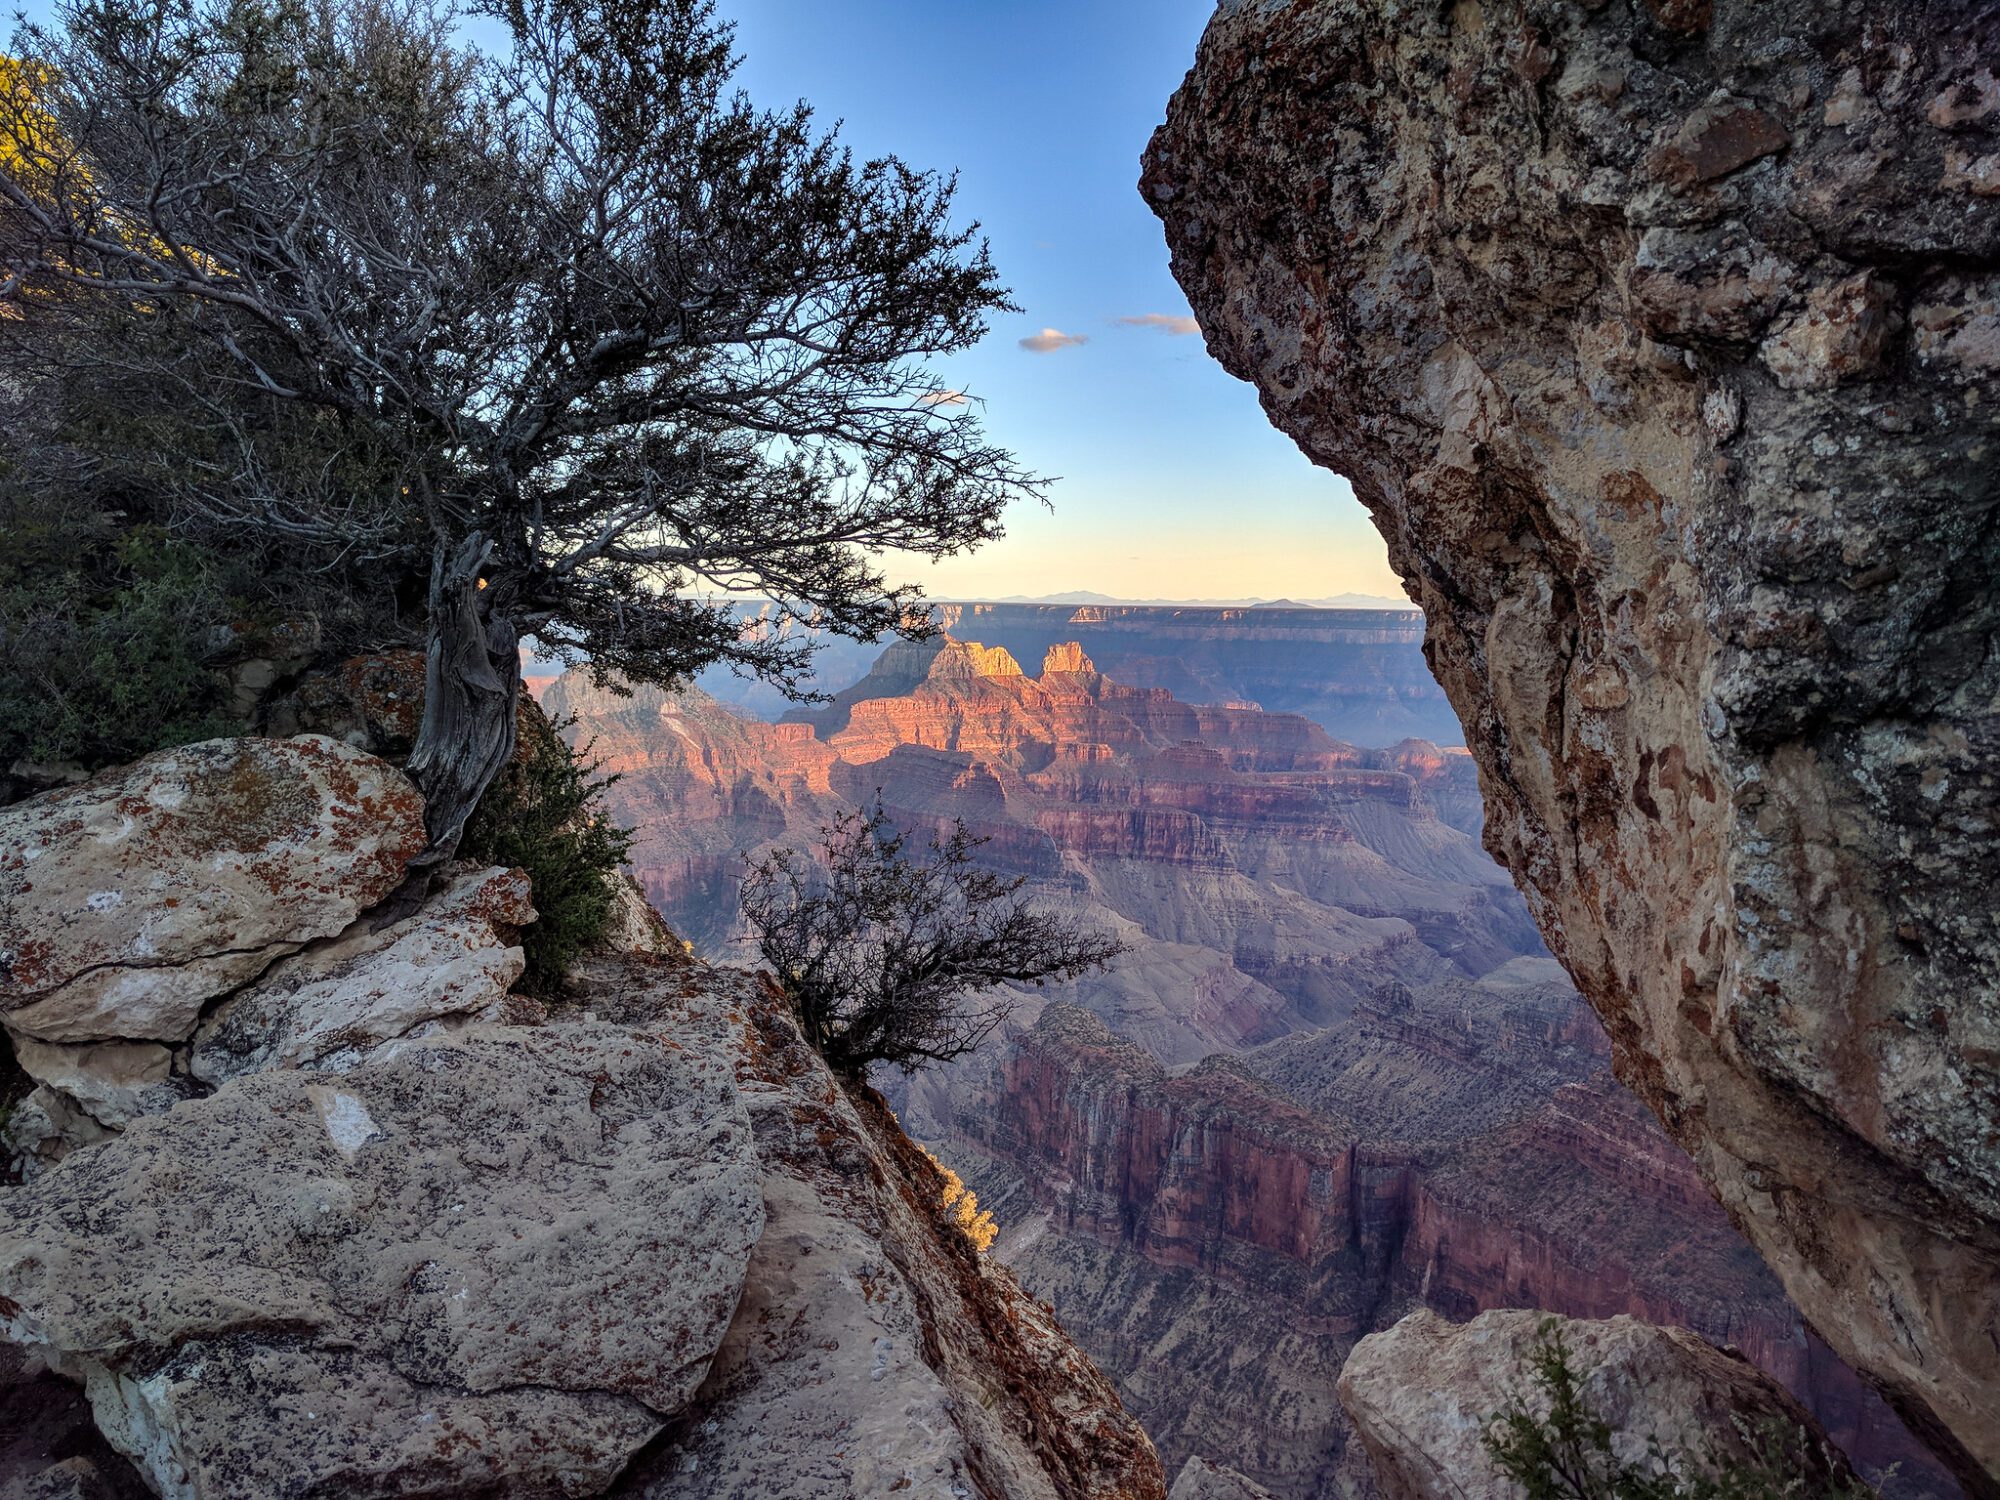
(881, 954)
(102, 643)
(15, 1084)
(961, 1208)
(544, 815)
(1567, 1453)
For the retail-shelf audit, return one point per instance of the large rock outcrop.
(236, 852)
(1421, 1395)
(206, 912)
(412, 1260)
(1662, 341)
(381, 1228)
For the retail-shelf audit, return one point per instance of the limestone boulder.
(875, 1351)
(498, 1261)
(129, 902)
(1421, 1395)
(327, 1005)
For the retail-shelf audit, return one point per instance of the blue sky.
(1171, 483)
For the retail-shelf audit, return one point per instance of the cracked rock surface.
(407, 1279)
(1662, 340)
(130, 901)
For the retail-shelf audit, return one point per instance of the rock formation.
(1357, 673)
(381, 1228)
(1268, 875)
(1661, 340)
(1420, 1395)
(199, 914)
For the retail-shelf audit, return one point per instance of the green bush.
(544, 816)
(1567, 1454)
(102, 641)
(15, 1085)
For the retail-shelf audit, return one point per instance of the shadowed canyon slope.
(1661, 340)
(1335, 1079)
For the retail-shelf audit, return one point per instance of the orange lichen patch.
(1631, 491)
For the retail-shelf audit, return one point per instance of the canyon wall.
(1265, 874)
(1662, 340)
(1357, 673)
(1221, 1236)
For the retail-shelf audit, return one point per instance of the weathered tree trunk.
(472, 681)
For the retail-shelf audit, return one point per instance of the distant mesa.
(970, 659)
(1091, 596)
(1067, 656)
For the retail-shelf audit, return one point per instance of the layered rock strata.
(1358, 674)
(1661, 340)
(1267, 875)
(1222, 1235)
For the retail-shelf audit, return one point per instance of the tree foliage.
(568, 334)
(961, 1207)
(884, 954)
(545, 815)
(1566, 1453)
(104, 638)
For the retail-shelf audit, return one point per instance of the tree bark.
(472, 683)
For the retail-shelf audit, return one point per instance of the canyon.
(1336, 1079)
(1357, 673)
(1660, 339)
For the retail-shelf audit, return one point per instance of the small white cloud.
(1051, 339)
(1165, 322)
(943, 398)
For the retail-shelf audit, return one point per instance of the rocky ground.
(313, 1207)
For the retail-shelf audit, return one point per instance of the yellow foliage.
(29, 141)
(961, 1207)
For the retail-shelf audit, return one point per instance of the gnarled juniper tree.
(883, 953)
(566, 332)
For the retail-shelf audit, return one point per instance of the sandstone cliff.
(1661, 339)
(318, 1207)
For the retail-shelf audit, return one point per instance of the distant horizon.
(1356, 601)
